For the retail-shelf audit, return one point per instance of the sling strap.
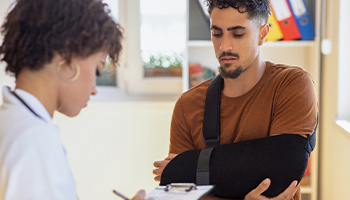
(211, 129)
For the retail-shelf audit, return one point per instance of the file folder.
(285, 19)
(303, 19)
(275, 31)
(204, 8)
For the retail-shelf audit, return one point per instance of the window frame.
(130, 74)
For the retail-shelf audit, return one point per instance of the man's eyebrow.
(216, 28)
(236, 27)
(103, 63)
(232, 28)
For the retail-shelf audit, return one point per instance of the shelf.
(305, 189)
(297, 43)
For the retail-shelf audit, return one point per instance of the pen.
(120, 195)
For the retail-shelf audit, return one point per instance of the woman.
(55, 49)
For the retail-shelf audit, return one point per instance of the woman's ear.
(67, 72)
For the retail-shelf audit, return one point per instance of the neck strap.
(211, 121)
(26, 105)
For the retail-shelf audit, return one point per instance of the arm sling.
(238, 168)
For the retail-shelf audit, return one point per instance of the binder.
(183, 191)
(303, 19)
(204, 8)
(285, 19)
(275, 31)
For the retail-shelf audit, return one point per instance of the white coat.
(33, 162)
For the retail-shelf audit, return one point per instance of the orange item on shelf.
(196, 73)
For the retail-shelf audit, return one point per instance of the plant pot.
(163, 72)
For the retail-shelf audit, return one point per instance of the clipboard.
(180, 191)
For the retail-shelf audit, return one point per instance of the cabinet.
(304, 54)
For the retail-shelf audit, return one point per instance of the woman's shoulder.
(22, 129)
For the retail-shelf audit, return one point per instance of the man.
(259, 99)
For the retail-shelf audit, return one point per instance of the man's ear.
(263, 32)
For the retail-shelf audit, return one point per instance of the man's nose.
(226, 44)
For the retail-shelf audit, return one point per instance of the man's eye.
(98, 73)
(216, 34)
(238, 35)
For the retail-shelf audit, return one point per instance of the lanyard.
(26, 105)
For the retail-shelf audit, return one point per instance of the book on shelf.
(196, 73)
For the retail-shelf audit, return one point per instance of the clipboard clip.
(180, 186)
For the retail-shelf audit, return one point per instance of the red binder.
(285, 19)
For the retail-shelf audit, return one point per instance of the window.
(163, 37)
(151, 28)
(107, 77)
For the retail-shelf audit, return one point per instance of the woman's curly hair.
(256, 9)
(34, 30)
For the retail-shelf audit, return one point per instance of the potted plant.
(163, 66)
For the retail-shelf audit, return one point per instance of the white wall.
(114, 144)
(4, 79)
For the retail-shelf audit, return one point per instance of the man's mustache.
(227, 53)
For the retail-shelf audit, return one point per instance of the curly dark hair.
(256, 9)
(34, 30)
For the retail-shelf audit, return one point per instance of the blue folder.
(303, 19)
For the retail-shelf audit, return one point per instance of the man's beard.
(232, 74)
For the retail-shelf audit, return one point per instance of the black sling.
(238, 168)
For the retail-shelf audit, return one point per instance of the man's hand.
(160, 165)
(263, 186)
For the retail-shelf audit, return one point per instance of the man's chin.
(230, 74)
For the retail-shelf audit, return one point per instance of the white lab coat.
(33, 162)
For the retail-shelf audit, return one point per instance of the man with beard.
(258, 99)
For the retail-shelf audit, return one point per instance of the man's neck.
(246, 81)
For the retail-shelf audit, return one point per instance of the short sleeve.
(180, 137)
(295, 105)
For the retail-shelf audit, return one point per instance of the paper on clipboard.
(174, 193)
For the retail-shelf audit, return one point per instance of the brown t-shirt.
(283, 101)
